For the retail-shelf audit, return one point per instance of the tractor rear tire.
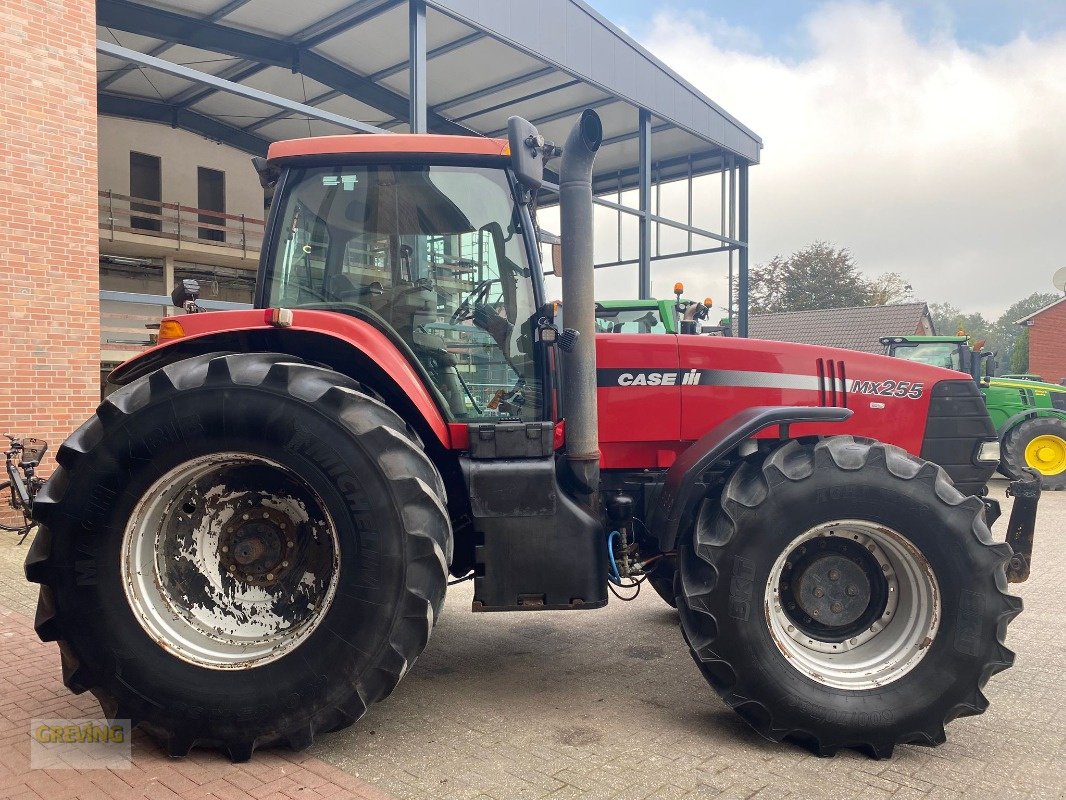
(899, 569)
(239, 551)
(1021, 451)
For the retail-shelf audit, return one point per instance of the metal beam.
(731, 243)
(644, 200)
(416, 65)
(345, 19)
(158, 50)
(194, 94)
(680, 254)
(114, 105)
(376, 76)
(234, 88)
(517, 100)
(566, 112)
(195, 32)
(742, 299)
(502, 86)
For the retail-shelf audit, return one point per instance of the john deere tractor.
(1029, 415)
(657, 316)
(250, 542)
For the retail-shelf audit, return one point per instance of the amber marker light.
(170, 329)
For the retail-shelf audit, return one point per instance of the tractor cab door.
(432, 254)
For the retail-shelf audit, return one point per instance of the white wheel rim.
(224, 575)
(900, 629)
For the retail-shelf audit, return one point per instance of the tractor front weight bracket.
(1022, 525)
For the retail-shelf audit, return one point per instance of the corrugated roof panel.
(282, 17)
(374, 45)
(242, 108)
(150, 84)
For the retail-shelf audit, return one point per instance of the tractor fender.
(349, 345)
(1014, 421)
(683, 488)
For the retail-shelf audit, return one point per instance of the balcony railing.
(129, 321)
(120, 213)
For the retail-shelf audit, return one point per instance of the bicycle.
(25, 455)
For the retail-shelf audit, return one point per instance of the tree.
(1019, 357)
(949, 320)
(890, 288)
(819, 276)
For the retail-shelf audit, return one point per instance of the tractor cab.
(656, 316)
(950, 352)
(431, 248)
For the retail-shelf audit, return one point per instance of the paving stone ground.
(598, 704)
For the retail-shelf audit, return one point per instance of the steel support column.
(417, 60)
(644, 202)
(742, 294)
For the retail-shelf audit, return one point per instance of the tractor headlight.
(988, 451)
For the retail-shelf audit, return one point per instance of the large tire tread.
(414, 482)
(1013, 463)
(749, 488)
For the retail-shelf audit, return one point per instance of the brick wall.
(49, 265)
(1047, 344)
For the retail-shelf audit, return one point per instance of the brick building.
(1047, 341)
(49, 290)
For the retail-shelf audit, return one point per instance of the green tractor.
(657, 316)
(1029, 414)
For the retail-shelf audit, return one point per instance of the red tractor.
(250, 542)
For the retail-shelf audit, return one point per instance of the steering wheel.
(478, 296)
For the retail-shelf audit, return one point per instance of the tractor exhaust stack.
(579, 387)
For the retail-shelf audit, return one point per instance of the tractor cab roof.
(406, 144)
(924, 339)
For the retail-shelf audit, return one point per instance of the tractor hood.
(657, 394)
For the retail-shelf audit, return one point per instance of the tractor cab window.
(432, 254)
(628, 320)
(938, 354)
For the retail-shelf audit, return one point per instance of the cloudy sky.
(927, 137)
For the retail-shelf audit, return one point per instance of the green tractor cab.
(1029, 414)
(658, 316)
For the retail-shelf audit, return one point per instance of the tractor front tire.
(239, 551)
(845, 594)
(1037, 444)
(662, 580)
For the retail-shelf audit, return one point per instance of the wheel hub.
(256, 544)
(852, 604)
(230, 560)
(833, 588)
(1046, 454)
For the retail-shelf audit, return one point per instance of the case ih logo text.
(667, 378)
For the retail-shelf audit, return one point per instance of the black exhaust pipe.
(579, 388)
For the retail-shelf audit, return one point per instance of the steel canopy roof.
(486, 60)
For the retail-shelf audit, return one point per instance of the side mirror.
(267, 172)
(546, 237)
(186, 294)
(527, 147)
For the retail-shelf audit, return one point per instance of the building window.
(211, 196)
(146, 183)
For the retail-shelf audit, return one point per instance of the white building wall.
(180, 153)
